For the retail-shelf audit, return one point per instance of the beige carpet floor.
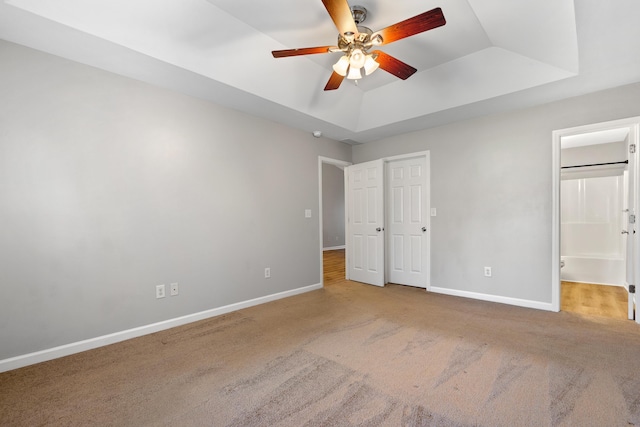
(347, 355)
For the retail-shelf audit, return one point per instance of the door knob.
(424, 229)
(379, 229)
(625, 232)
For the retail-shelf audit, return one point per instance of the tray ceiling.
(491, 55)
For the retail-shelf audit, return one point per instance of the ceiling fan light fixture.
(376, 40)
(349, 36)
(370, 65)
(341, 66)
(357, 58)
(354, 73)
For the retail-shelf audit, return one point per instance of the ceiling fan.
(355, 41)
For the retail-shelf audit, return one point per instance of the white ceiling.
(491, 56)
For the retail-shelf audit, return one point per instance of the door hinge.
(632, 148)
(632, 289)
(632, 219)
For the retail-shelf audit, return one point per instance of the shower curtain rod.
(626, 162)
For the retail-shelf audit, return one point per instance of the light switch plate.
(307, 213)
(433, 211)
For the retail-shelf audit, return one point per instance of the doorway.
(332, 218)
(595, 196)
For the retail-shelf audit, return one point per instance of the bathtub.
(597, 270)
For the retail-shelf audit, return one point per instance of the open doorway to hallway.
(332, 219)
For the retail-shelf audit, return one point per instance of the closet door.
(365, 223)
(407, 222)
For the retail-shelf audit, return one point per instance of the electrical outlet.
(267, 273)
(160, 291)
(174, 289)
(487, 271)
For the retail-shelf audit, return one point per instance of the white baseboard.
(333, 248)
(493, 298)
(80, 346)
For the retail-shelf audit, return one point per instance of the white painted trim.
(577, 130)
(633, 124)
(80, 346)
(406, 156)
(334, 248)
(555, 221)
(347, 227)
(494, 298)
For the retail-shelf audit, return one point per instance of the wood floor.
(582, 298)
(334, 266)
(594, 300)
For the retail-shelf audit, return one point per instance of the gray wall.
(491, 185)
(590, 154)
(109, 187)
(332, 206)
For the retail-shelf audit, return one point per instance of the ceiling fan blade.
(393, 65)
(334, 81)
(301, 51)
(340, 12)
(412, 26)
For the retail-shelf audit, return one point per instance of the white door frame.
(341, 164)
(634, 124)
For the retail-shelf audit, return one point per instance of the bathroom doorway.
(595, 184)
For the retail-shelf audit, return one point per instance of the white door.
(407, 222)
(365, 223)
